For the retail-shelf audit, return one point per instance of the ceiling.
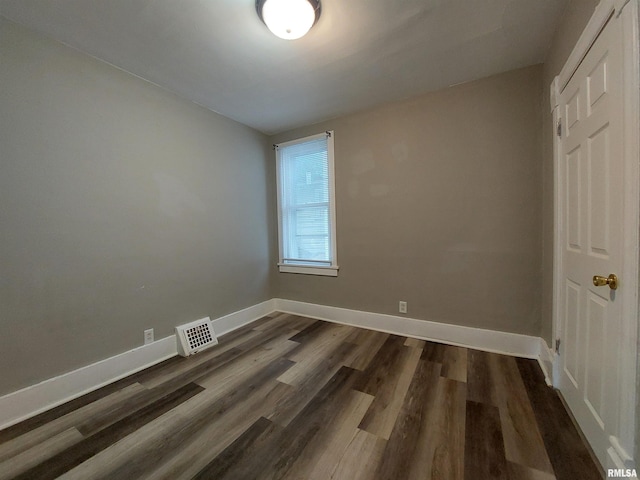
(361, 53)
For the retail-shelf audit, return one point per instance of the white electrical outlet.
(402, 308)
(148, 336)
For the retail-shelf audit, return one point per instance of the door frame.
(623, 447)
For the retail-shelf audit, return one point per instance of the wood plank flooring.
(289, 397)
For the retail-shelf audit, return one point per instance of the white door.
(590, 174)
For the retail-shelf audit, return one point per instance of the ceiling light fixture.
(289, 19)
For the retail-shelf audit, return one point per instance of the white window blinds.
(305, 196)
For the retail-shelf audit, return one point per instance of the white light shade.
(288, 19)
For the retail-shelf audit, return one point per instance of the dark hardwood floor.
(296, 398)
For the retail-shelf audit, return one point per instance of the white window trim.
(329, 271)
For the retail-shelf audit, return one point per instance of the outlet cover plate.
(148, 336)
(402, 308)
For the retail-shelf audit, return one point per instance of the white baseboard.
(22, 404)
(30, 401)
(546, 359)
(488, 340)
(235, 320)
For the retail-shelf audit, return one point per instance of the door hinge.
(558, 346)
(559, 128)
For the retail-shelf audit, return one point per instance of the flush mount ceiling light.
(289, 19)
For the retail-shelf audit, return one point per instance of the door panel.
(591, 225)
(599, 194)
(572, 332)
(594, 382)
(573, 200)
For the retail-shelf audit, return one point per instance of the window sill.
(307, 270)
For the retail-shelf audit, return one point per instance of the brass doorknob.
(611, 280)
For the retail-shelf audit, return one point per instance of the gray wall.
(575, 18)
(439, 204)
(122, 207)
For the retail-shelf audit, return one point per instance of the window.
(306, 206)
